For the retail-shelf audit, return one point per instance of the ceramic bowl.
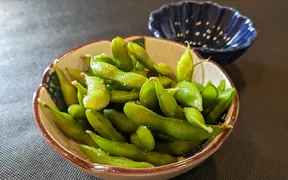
(215, 31)
(161, 51)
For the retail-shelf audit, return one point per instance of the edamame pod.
(103, 126)
(131, 151)
(121, 55)
(176, 147)
(195, 118)
(68, 124)
(167, 103)
(76, 74)
(165, 69)
(142, 72)
(220, 105)
(68, 90)
(200, 86)
(85, 124)
(161, 137)
(81, 92)
(172, 91)
(189, 95)
(141, 55)
(164, 81)
(185, 66)
(113, 85)
(135, 141)
(123, 96)
(107, 71)
(97, 155)
(120, 121)
(147, 95)
(175, 128)
(221, 87)
(209, 94)
(139, 66)
(145, 138)
(104, 58)
(77, 111)
(87, 59)
(98, 96)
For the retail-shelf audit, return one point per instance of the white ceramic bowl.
(159, 50)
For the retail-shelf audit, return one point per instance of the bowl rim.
(156, 33)
(94, 167)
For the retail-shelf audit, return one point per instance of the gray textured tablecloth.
(35, 32)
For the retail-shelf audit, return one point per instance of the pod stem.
(75, 83)
(85, 55)
(89, 132)
(202, 61)
(55, 62)
(45, 105)
(227, 126)
(208, 129)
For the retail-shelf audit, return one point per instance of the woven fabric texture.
(34, 33)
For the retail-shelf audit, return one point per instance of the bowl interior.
(204, 25)
(159, 50)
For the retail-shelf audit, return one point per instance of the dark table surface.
(34, 33)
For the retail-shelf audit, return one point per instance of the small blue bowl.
(217, 32)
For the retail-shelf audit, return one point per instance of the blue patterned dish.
(215, 31)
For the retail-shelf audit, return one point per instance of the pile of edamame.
(129, 111)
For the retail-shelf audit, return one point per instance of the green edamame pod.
(109, 87)
(209, 94)
(147, 95)
(165, 69)
(167, 102)
(135, 141)
(189, 95)
(68, 90)
(173, 84)
(176, 147)
(128, 79)
(221, 87)
(220, 105)
(113, 85)
(172, 127)
(85, 124)
(164, 81)
(87, 59)
(124, 96)
(81, 92)
(172, 91)
(139, 66)
(76, 74)
(120, 121)
(142, 72)
(77, 111)
(131, 151)
(161, 137)
(195, 118)
(121, 55)
(99, 156)
(68, 125)
(141, 55)
(185, 66)
(103, 126)
(145, 138)
(104, 58)
(200, 86)
(98, 96)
